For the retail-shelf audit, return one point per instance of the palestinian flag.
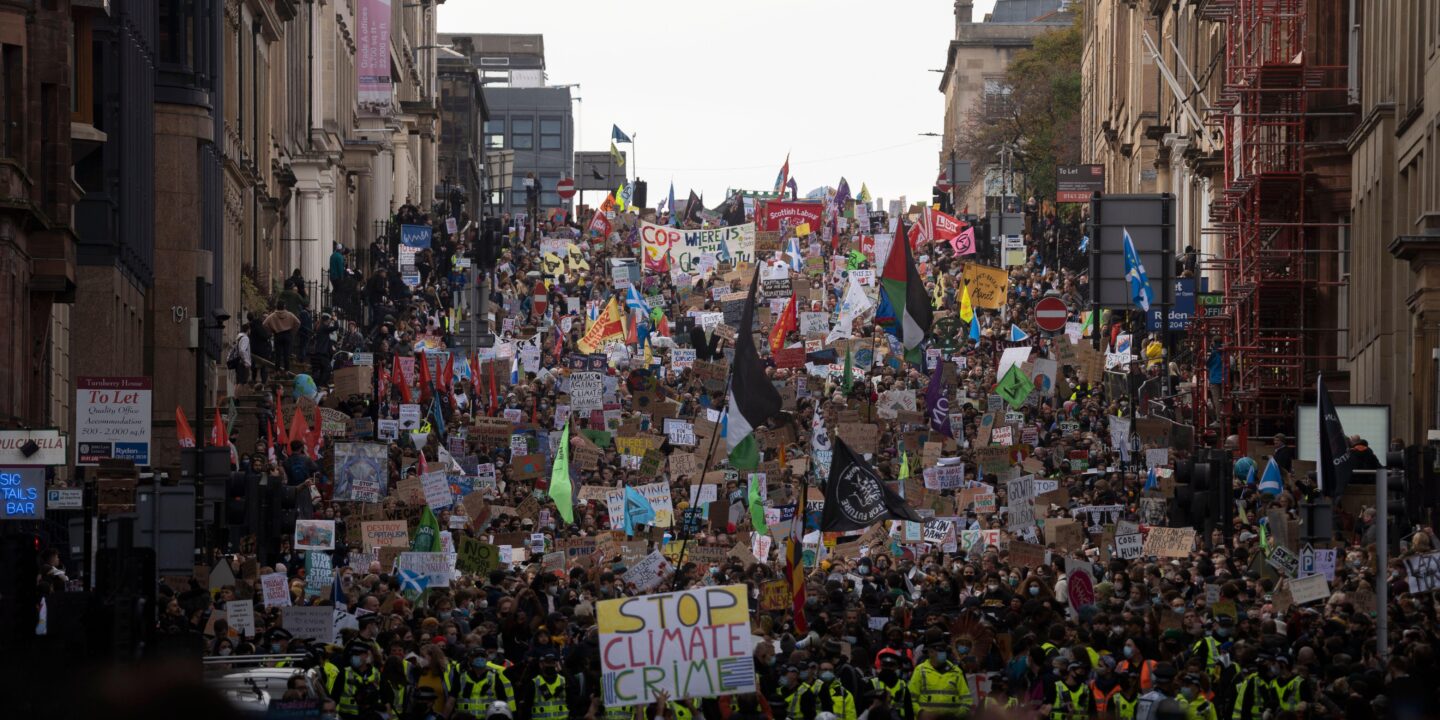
(752, 400)
(902, 288)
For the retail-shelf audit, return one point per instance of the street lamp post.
(201, 326)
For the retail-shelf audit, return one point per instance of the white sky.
(842, 85)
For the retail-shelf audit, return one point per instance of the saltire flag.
(1016, 334)
(1250, 475)
(856, 497)
(900, 283)
(183, 433)
(616, 156)
(412, 582)
(1271, 482)
(1152, 480)
(783, 179)
(786, 324)
(967, 308)
(1084, 243)
(797, 259)
(638, 510)
(753, 400)
(617, 136)
(1140, 291)
(560, 489)
(634, 301)
(1333, 470)
(670, 203)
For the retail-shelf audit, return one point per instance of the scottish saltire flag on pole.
(797, 261)
(617, 136)
(1271, 482)
(1140, 291)
(901, 284)
(634, 301)
(752, 400)
(412, 581)
(1016, 334)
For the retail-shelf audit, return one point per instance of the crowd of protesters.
(896, 629)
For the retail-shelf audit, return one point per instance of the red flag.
(786, 324)
(312, 439)
(183, 433)
(397, 376)
(422, 378)
(494, 392)
(218, 436)
(298, 428)
(631, 333)
(280, 436)
(447, 375)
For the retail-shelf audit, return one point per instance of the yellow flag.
(620, 197)
(967, 311)
(609, 326)
(649, 354)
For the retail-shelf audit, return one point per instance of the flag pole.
(704, 467)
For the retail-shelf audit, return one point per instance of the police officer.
(1070, 697)
(831, 695)
(1252, 691)
(890, 695)
(1287, 688)
(482, 684)
(358, 673)
(1192, 694)
(937, 685)
(1122, 704)
(797, 696)
(549, 700)
(1147, 708)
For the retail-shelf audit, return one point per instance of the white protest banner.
(275, 589)
(646, 574)
(306, 622)
(937, 531)
(659, 496)
(680, 432)
(587, 392)
(684, 248)
(814, 324)
(1423, 572)
(682, 358)
(437, 490)
(1309, 589)
(688, 644)
(944, 477)
(1129, 547)
(314, 535)
(433, 565)
(241, 616)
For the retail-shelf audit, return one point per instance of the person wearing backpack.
(239, 359)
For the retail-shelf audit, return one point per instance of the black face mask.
(888, 675)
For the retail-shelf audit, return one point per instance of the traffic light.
(940, 199)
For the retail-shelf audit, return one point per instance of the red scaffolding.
(1269, 331)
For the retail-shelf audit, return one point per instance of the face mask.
(862, 570)
(961, 649)
(274, 647)
(548, 672)
(1222, 632)
(786, 681)
(992, 587)
(478, 663)
(1116, 629)
(1014, 581)
(1034, 590)
(1188, 692)
(941, 656)
(1129, 651)
(827, 676)
(1178, 609)
(772, 661)
(357, 661)
(805, 676)
(482, 604)
(225, 651)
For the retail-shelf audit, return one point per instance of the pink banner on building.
(372, 56)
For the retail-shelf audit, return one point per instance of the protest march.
(782, 458)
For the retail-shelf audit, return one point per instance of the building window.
(177, 32)
(12, 101)
(522, 133)
(495, 134)
(548, 197)
(997, 98)
(550, 133)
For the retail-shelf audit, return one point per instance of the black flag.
(732, 211)
(856, 497)
(596, 173)
(692, 209)
(1333, 470)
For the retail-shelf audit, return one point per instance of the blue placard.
(415, 236)
(1183, 310)
(22, 493)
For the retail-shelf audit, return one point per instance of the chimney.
(964, 12)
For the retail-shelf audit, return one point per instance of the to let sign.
(112, 419)
(1075, 183)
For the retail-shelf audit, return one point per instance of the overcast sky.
(716, 93)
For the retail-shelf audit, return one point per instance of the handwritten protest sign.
(1129, 547)
(775, 595)
(476, 557)
(433, 565)
(275, 589)
(1423, 572)
(385, 533)
(648, 572)
(988, 285)
(1169, 542)
(693, 643)
(309, 622)
(1309, 589)
(241, 616)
